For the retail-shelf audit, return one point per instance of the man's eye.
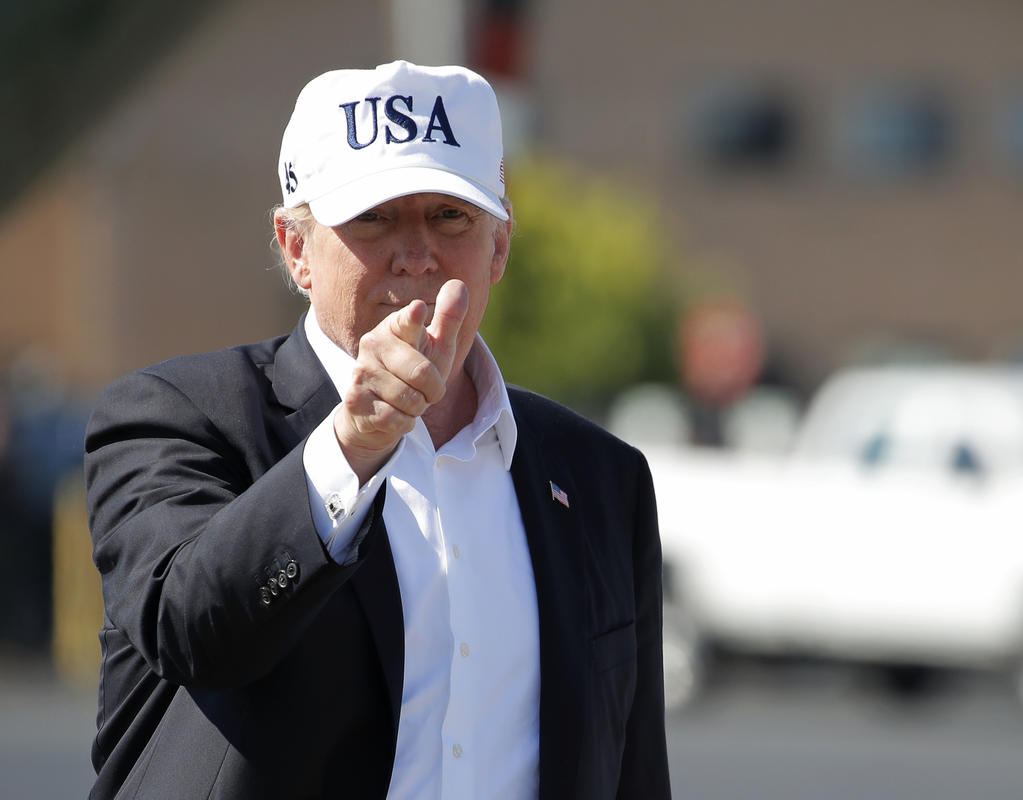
(368, 216)
(452, 213)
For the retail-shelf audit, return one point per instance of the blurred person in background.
(350, 561)
(42, 427)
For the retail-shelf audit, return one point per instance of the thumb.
(448, 315)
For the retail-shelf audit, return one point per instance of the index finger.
(409, 323)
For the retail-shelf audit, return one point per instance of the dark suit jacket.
(213, 686)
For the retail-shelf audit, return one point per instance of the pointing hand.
(401, 370)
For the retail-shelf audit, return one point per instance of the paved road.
(824, 733)
(808, 733)
(45, 730)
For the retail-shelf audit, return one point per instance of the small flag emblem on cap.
(559, 494)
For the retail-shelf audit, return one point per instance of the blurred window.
(876, 451)
(897, 132)
(965, 460)
(746, 128)
(1014, 132)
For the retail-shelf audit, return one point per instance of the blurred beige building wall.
(827, 256)
(54, 251)
(151, 236)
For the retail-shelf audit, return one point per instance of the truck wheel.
(683, 659)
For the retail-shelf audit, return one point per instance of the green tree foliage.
(585, 307)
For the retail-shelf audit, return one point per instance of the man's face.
(369, 267)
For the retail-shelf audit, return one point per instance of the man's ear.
(293, 247)
(502, 247)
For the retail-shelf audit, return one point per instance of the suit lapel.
(555, 547)
(303, 388)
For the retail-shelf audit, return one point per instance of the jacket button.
(264, 596)
(272, 586)
(282, 579)
(291, 570)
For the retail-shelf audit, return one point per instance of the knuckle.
(368, 339)
(420, 373)
(438, 394)
(413, 402)
(377, 339)
(360, 374)
(393, 420)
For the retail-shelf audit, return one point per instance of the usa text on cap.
(358, 138)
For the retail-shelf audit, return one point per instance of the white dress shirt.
(469, 722)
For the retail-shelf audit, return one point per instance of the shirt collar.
(335, 361)
(493, 407)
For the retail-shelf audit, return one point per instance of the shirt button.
(457, 751)
(463, 648)
(455, 551)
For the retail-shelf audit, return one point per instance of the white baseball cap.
(358, 138)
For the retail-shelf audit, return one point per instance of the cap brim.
(348, 201)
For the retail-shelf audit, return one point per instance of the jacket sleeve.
(210, 562)
(644, 770)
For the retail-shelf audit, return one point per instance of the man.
(350, 562)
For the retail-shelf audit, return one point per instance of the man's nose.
(413, 251)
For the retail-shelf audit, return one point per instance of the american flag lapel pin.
(559, 494)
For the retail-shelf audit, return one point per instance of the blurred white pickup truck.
(891, 534)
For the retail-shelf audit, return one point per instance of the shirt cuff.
(339, 505)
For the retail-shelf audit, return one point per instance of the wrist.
(365, 456)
